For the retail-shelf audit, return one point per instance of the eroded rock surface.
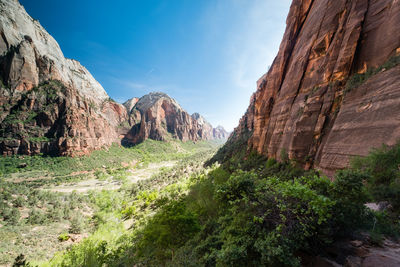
(159, 117)
(49, 104)
(358, 253)
(305, 105)
(219, 132)
(53, 119)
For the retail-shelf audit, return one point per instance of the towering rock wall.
(30, 55)
(309, 103)
(159, 117)
(219, 132)
(53, 105)
(49, 104)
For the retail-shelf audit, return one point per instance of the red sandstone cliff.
(159, 117)
(53, 105)
(49, 104)
(309, 103)
(219, 132)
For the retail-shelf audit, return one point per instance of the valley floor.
(156, 204)
(50, 204)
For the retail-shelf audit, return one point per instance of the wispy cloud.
(255, 43)
(133, 85)
(249, 43)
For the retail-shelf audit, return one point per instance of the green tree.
(166, 232)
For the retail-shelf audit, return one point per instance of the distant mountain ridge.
(50, 104)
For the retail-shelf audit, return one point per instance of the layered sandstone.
(219, 132)
(52, 119)
(301, 105)
(53, 105)
(49, 104)
(159, 117)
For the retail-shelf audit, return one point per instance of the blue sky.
(207, 54)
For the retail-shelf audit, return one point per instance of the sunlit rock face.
(219, 132)
(30, 55)
(49, 104)
(301, 105)
(159, 117)
(53, 105)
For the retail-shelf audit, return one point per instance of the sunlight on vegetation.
(252, 212)
(246, 212)
(37, 221)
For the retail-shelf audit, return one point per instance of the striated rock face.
(53, 105)
(309, 105)
(52, 119)
(220, 133)
(204, 128)
(159, 117)
(130, 103)
(49, 104)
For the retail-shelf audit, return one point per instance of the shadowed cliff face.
(307, 104)
(52, 119)
(50, 104)
(159, 117)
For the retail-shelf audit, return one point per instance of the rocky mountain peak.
(200, 119)
(149, 100)
(53, 105)
(158, 116)
(130, 103)
(219, 132)
(29, 55)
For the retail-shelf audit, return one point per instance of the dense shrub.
(19, 201)
(382, 167)
(76, 224)
(350, 194)
(170, 229)
(249, 219)
(11, 216)
(36, 216)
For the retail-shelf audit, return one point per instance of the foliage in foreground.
(38, 222)
(382, 171)
(250, 220)
(261, 213)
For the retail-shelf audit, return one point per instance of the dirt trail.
(94, 184)
(145, 173)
